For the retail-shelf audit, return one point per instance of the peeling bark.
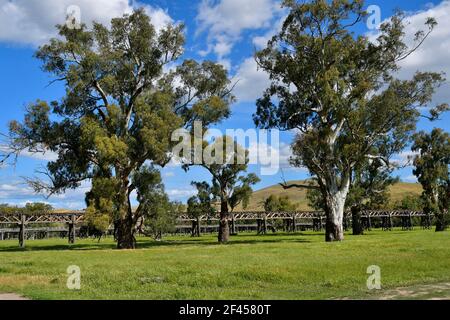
(335, 206)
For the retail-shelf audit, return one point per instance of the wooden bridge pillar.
(387, 222)
(72, 229)
(199, 227)
(426, 221)
(294, 226)
(317, 224)
(264, 225)
(410, 220)
(407, 223)
(287, 225)
(261, 225)
(233, 226)
(196, 229)
(22, 231)
(346, 222)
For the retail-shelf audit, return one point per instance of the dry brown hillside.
(398, 192)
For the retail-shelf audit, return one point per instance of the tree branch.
(101, 92)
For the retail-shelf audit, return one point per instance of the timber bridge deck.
(68, 222)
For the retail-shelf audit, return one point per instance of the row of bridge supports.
(22, 224)
(318, 224)
(290, 223)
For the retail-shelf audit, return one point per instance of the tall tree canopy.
(124, 98)
(338, 90)
(432, 169)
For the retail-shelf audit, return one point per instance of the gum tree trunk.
(441, 223)
(439, 214)
(125, 234)
(357, 227)
(224, 228)
(126, 225)
(334, 229)
(335, 206)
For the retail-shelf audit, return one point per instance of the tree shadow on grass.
(61, 247)
(247, 239)
(147, 245)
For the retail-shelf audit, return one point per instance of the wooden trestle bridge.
(67, 224)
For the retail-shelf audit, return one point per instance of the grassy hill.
(398, 192)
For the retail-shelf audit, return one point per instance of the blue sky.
(227, 31)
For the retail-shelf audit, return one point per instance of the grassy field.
(281, 266)
(298, 196)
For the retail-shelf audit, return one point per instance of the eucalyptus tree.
(126, 91)
(279, 204)
(339, 92)
(369, 190)
(227, 162)
(432, 169)
(410, 202)
(201, 204)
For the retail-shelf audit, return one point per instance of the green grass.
(283, 266)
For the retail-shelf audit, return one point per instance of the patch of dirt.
(11, 296)
(438, 291)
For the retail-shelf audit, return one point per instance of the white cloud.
(260, 42)
(169, 174)
(433, 55)
(33, 21)
(227, 19)
(19, 193)
(223, 48)
(277, 158)
(226, 63)
(410, 178)
(252, 81)
(15, 190)
(181, 194)
(405, 158)
(45, 156)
